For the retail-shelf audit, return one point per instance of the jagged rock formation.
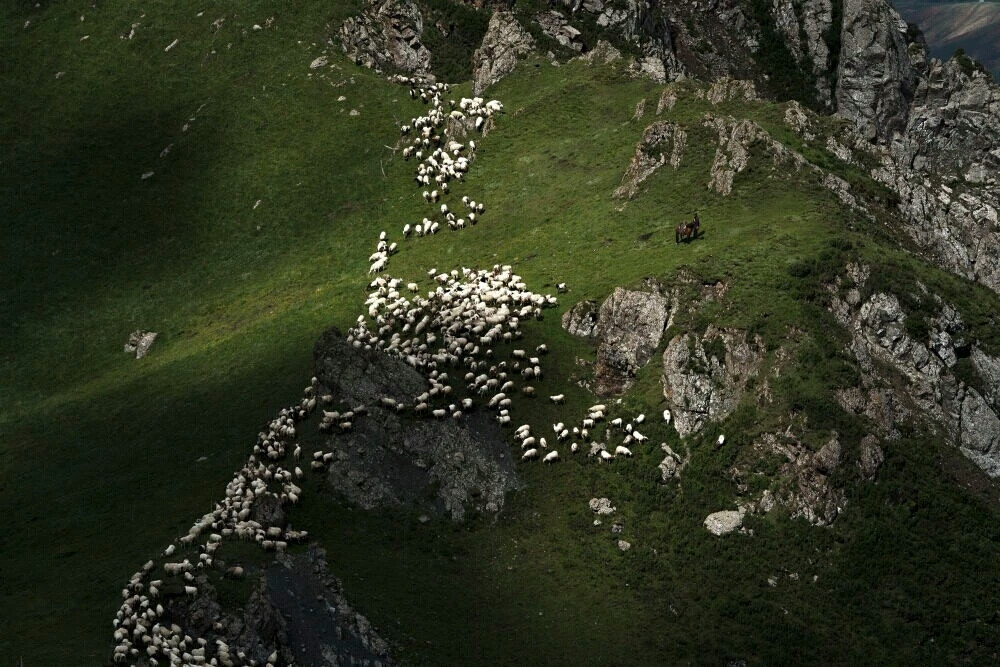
(581, 319)
(704, 377)
(659, 140)
(386, 37)
(557, 26)
(969, 417)
(630, 325)
(295, 608)
(387, 458)
(803, 483)
(672, 464)
(505, 41)
(804, 26)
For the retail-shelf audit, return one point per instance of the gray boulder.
(725, 522)
(630, 326)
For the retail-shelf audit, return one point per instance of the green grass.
(99, 454)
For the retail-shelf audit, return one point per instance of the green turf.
(99, 453)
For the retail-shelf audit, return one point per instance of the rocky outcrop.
(662, 142)
(505, 41)
(875, 80)
(139, 342)
(802, 484)
(630, 325)
(672, 464)
(386, 37)
(725, 522)
(581, 320)
(704, 377)
(389, 458)
(964, 415)
(557, 26)
(294, 608)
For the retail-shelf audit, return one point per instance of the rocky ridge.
(386, 37)
(932, 393)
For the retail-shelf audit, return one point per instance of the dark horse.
(687, 230)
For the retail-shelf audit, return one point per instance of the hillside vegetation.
(250, 238)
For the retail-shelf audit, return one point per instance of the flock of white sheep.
(458, 328)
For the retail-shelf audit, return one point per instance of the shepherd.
(687, 230)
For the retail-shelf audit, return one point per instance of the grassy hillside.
(104, 460)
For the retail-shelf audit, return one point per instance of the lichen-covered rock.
(874, 76)
(698, 385)
(601, 506)
(581, 319)
(505, 41)
(724, 522)
(661, 142)
(630, 326)
(386, 37)
(870, 457)
(139, 342)
(931, 392)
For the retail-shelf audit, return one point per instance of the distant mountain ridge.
(947, 26)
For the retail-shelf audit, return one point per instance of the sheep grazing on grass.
(558, 398)
(530, 454)
(621, 450)
(551, 457)
(720, 441)
(606, 455)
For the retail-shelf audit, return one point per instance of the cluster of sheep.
(139, 630)
(461, 323)
(498, 297)
(442, 159)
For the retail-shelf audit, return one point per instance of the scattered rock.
(321, 61)
(624, 546)
(725, 522)
(601, 506)
(557, 26)
(139, 342)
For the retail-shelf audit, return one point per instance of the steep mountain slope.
(805, 317)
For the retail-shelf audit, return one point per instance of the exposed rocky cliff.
(930, 391)
(390, 458)
(386, 37)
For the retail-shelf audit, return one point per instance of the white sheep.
(558, 398)
(551, 457)
(721, 441)
(621, 450)
(530, 454)
(666, 416)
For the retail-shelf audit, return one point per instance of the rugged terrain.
(973, 27)
(815, 375)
